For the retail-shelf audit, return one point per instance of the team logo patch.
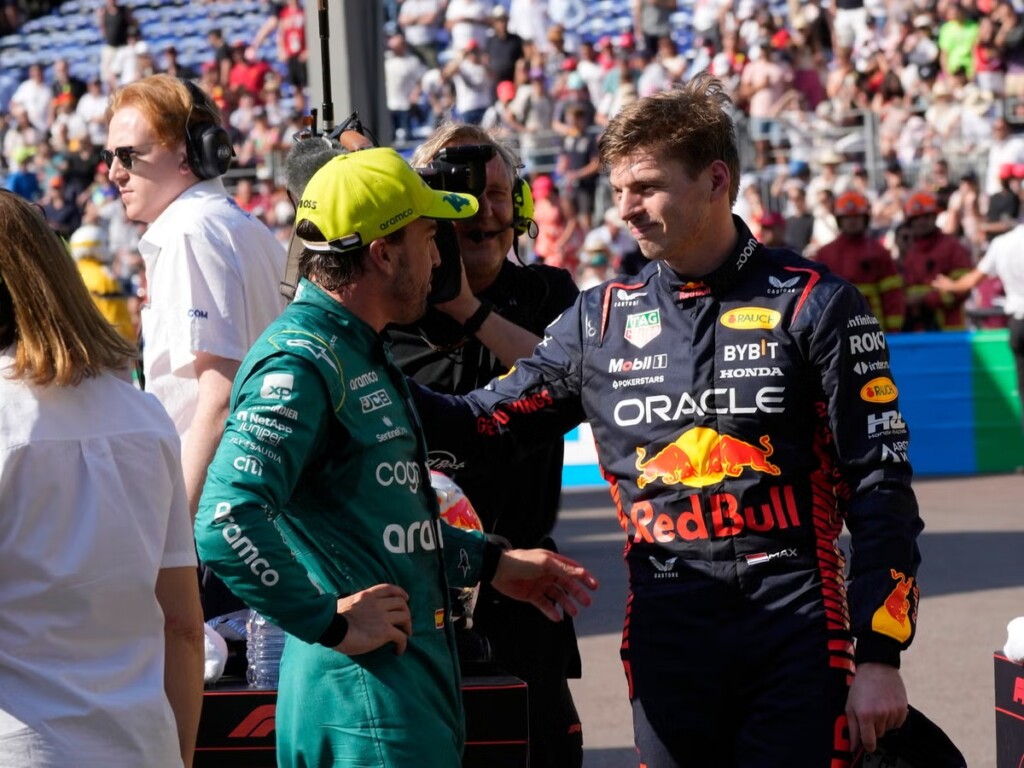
(642, 328)
(751, 318)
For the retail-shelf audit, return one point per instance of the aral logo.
(424, 536)
(642, 328)
(880, 390)
(277, 386)
(751, 318)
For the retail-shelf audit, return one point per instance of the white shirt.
(1008, 151)
(93, 505)
(90, 107)
(34, 98)
(1005, 260)
(420, 34)
(213, 274)
(478, 15)
(402, 74)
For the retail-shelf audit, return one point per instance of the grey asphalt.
(972, 584)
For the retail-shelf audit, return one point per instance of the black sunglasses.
(124, 154)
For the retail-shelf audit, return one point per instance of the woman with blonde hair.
(98, 588)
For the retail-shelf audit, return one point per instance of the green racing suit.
(319, 490)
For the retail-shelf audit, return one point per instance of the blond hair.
(690, 123)
(46, 312)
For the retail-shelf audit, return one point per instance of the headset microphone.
(479, 235)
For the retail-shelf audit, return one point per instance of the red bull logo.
(722, 518)
(891, 618)
(701, 456)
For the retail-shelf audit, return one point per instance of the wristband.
(474, 321)
(335, 632)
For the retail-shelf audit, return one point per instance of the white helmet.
(90, 242)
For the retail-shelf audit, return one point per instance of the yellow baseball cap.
(361, 196)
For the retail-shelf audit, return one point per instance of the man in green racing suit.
(318, 510)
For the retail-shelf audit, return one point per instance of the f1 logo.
(257, 724)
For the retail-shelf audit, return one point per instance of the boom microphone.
(479, 235)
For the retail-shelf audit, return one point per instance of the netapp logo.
(647, 363)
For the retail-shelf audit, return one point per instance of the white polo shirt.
(93, 506)
(1004, 260)
(213, 275)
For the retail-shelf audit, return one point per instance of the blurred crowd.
(884, 98)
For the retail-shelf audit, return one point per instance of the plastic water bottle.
(264, 643)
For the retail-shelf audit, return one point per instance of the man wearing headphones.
(212, 270)
(459, 346)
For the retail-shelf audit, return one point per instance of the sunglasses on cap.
(124, 155)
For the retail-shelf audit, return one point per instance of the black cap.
(918, 743)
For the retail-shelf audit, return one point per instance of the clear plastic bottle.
(264, 643)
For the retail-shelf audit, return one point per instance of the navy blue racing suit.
(741, 419)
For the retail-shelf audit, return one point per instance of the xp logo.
(456, 201)
(277, 386)
(405, 473)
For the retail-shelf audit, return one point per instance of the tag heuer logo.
(643, 327)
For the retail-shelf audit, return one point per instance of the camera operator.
(462, 344)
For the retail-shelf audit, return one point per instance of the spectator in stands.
(92, 108)
(212, 271)
(248, 73)
(403, 72)
(173, 67)
(290, 25)
(943, 114)
(115, 22)
(799, 219)
(827, 177)
(963, 217)
(468, 20)
(102, 632)
(595, 264)
(826, 228)
(62, 216)
(221, 55)
(260, 142)
(529, 19)
(22, 180)
(888, 209)
(957, 36)
(496, 120)
(578, 166)
(575, 95)
(421, 21)
(1004, 206)
(861, 259)
(652, 20)
(91, 251)
(32, 97)
(772, 228)
(939, 183)
(623, 252)
(1006, 148)
(531, 112)
(472, 82)
(932, 253)
(503, 48)
(560, 236)
(620, 88)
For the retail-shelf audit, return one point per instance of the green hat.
(361, 196)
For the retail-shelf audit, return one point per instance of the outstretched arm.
(554, 583)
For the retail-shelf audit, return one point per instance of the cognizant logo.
(243, 547)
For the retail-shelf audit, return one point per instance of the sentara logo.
(751, 318)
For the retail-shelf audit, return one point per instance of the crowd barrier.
(957, 393)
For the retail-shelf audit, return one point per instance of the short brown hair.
(690, 123)
(46, 312)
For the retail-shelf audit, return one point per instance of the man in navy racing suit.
(318, 511)
(743, 410)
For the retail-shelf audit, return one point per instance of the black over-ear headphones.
(207, 145)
